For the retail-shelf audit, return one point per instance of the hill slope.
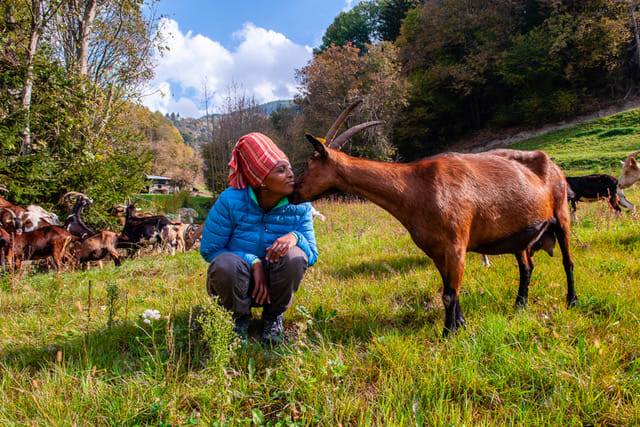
(597, 146)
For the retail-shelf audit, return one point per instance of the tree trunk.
(635, 33)
(36, 28)
(85, 34)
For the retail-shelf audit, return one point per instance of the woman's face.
(280, 180)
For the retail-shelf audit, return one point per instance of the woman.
(258, 244)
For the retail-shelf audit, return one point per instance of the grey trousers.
(230, 278)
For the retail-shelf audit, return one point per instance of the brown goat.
(192, 236)
(502, 201)
(50, 241)
(96, 247)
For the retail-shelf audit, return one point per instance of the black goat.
(138, 231)
(74, 223)
(596, 187)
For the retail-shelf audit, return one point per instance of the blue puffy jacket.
(237, 224)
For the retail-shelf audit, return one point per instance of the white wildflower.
(150, 315)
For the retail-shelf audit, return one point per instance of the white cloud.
(159, 97)
(264, 64)
(349, 4)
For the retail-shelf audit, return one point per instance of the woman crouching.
(258, 244)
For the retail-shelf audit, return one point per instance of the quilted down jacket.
(237, 224)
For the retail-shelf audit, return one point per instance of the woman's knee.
(295, 258)
(226, 271)
(288, 271)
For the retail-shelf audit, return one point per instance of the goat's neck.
(384, 184)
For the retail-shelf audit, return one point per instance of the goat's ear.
(633, 162)
(622, 162)
(318, 146)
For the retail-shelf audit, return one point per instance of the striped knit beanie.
(253, 157)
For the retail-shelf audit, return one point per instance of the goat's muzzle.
(295, 198)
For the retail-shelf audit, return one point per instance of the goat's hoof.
(447, 331)
(461, 323)
(572, 302)
(521, 302)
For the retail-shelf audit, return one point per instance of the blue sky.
(254, 44)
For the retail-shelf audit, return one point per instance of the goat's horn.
(333, 131)
(347, 134)
(13, 214)
(74, 193)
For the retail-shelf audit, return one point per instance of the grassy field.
(364, 334)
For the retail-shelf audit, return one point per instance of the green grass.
(364, 333)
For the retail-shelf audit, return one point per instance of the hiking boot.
(273, 331)
(241, 327)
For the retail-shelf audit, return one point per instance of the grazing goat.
(630, 171)
(595, 187)
(96, 247)
(138, 231)
(74, 223)
(36, 217)
(49, 241)
(192, 236)
(93, 246)
(120, 212)
(33, 217)
(499, 202)
(173, 237)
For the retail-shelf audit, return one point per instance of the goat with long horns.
(498, 202)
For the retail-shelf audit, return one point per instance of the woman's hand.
(280, 247)
(260, 291)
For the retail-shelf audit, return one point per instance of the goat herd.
(32, 233)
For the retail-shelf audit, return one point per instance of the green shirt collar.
(283, 202)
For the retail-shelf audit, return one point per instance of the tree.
(340, 75)
(40, 12)
(240, 115)
(391, 14)
(357, 26)
(74, 27)
(59, 128)
(368, 22)
(474, 64)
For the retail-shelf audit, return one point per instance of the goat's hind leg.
(562, 232)
(525, 266)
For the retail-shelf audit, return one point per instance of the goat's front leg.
(451, 268)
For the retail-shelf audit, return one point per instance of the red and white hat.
(253, 157)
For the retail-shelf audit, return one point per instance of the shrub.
(217, 331)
